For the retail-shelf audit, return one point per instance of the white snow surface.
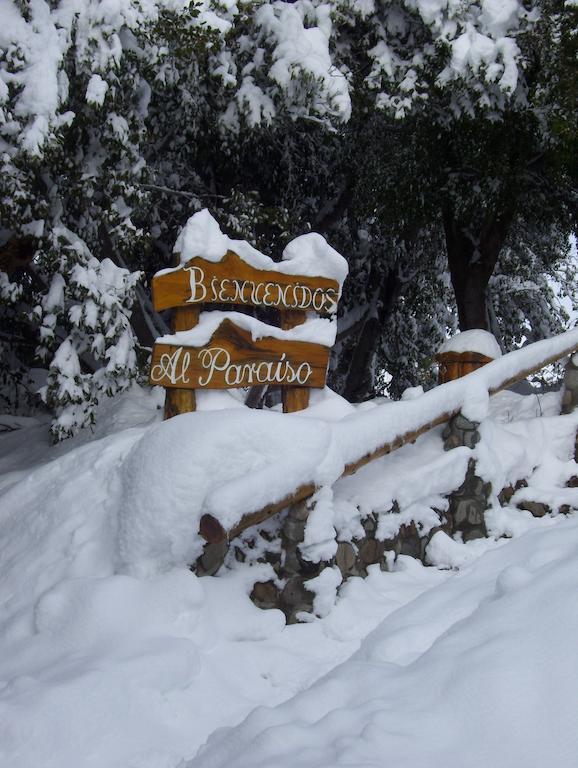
(114, 655)
(309, 255)
(226, 460)
(476, 340)
(316, 330)
(480, 670)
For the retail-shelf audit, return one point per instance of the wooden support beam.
(294, 398)
(179, 401)
(213, 532)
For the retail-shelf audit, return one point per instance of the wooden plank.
(294, 398)
(213, 532)
(233, 281)
(179, 401)
(232, 359)
(211, 526)
(529, 371)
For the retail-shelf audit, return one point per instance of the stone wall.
(352, 558)
(570, 391)
(289, 593)
(280, 546)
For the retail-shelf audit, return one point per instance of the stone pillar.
(468, 504)
(570, 396)
(470, 501)
(460, 431)
(295, 597)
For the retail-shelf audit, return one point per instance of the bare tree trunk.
(359, 384)
(472, 258)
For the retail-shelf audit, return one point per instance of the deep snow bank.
(480, 671)
(228, 459)
(104, 668)
(99, 669)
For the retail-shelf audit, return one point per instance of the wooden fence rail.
(212, 530)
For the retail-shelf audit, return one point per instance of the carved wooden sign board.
(231, 357)
(233, 281)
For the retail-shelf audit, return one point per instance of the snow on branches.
(91, 299)
(417, 48)
(280, 60)
(38, 39)
(113, 112)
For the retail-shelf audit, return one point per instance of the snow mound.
(309, 255)
(108, 663)
(482, 668)
(481, 342)
(220, 461)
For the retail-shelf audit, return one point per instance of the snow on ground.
(105, 665)
(478, 671)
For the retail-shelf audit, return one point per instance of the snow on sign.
(233, 281)
(226, 349)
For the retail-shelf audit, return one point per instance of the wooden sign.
(233, 281)
(232, 359)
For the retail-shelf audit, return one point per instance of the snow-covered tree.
(459, 140)
(72, 101)
(105, 109)
(400, 130)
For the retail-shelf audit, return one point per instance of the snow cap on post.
(476, 340)
(466, 352)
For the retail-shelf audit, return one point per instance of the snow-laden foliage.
(415, 48)
(74, 101)
(278, 58)
(96, 102)
(70, 168)
(368, 122)
(91, 298)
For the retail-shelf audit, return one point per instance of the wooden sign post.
(232, 358)
(294, 398)
(182, 400)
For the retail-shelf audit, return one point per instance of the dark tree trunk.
(359, 382)
(472, 258)
(16, 254)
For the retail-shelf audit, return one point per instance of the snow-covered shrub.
(73, 107)
(91, 300)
